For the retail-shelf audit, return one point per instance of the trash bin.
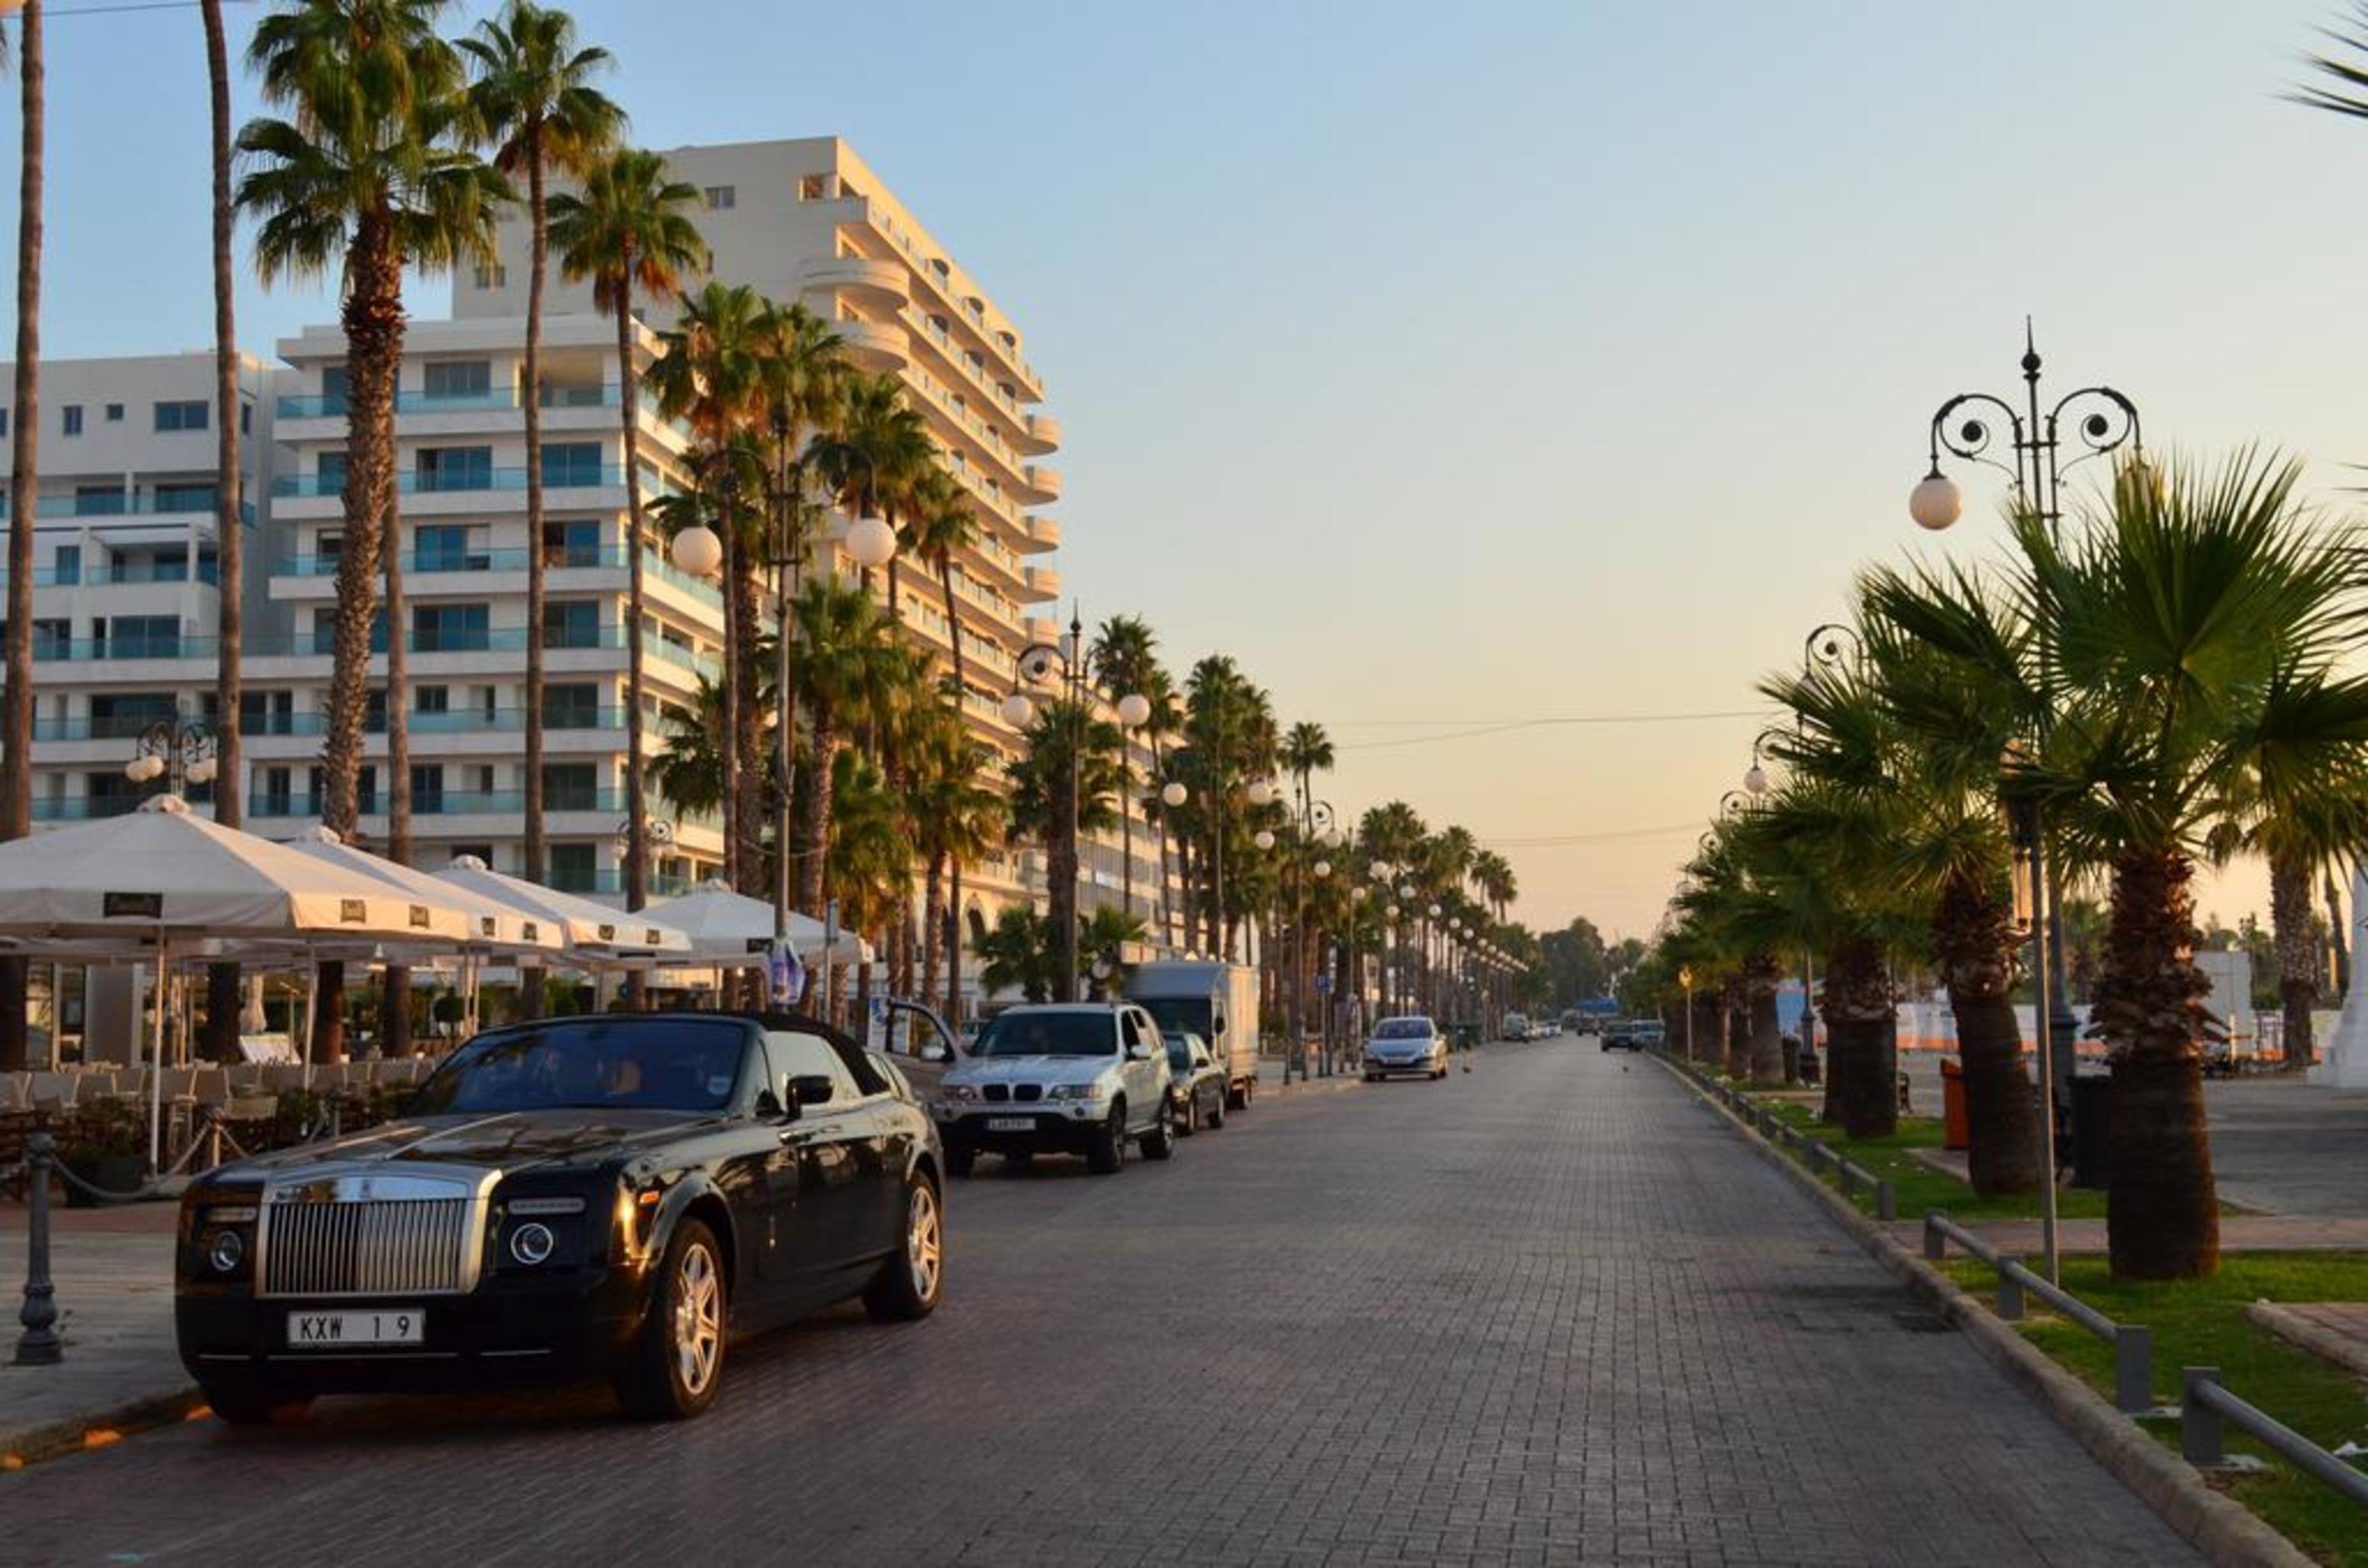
(1954, 1133)
(2092, 1128)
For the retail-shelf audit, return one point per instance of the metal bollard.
(1887, 1201)
(1936, 1244)
(2133, 1368)
(2009, 1294)
(1847, 1177)
(38, 1345)
(2199, 1426)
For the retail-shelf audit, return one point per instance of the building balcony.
(876, 347)
(570, 476)
(336, 406)
(887, 285)
(1043, 629)
(1040, 484)
(1040, 433)
(1043, 534)
(477, 572)
(141, 648)
(166, 501)
(1043, 583)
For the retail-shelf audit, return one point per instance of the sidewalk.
(113, 1274)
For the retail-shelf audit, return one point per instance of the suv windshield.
(1403, 1029)
(1049, 1034)
(641, 1065)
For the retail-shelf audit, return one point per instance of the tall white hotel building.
(125, 592)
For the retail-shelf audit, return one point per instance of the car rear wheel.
(1216, 1111)
(251, 1402)
(1191, 1122)
(679, 1361)
(908, 1284)
(1161, 1142)
(1106, 1151)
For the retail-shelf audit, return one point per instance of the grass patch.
(2200, 1323)
(1919, 1186)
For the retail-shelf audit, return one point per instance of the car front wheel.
(679, 1361)
(1106, 1151)
(1161, 1142)
(1216, 1111)
(908, 1284)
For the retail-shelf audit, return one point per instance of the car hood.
(510, 1141)
(1032, 1070)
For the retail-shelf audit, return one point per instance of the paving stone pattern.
(1547, 1313)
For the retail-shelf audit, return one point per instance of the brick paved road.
(1544, 1313)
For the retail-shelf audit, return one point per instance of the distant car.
(622, 1194)
(1572, 1022)
(1072, 1078)
(1405, 1045)
(1197, 1088)
(1545, 1028)
(1517, 1026)
(1649, 1034)
(1619, 1034)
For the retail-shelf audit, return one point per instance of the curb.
(2222, 1529)
(2305, 1335)
(28, 1445)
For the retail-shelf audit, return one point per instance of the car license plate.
(330, 1330)
(1011, 1124)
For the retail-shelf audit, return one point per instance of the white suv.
(1069, 1078)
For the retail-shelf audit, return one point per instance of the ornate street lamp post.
(2101, 420)
(179, 750)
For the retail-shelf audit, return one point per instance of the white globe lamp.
(1018, 712)
(1260, 792)
(1935, 503)
(1173, 793)
(698, 551)
(871, 542)
(1323, 868)
(1264, 839)
(1133, 710)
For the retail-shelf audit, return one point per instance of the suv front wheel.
(1161, 1142)
(1107, 1151)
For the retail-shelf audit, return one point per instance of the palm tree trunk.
(221, 1040)
(933, 930)
(736, 663)
(536, 854)
(2162, 1210)
(1736, 1029)
(817, 839)
(1863, 1024)
(1706, 1043)
(749, 768)
(2298, 947)
(1974, 941)
(394, 1007)
(2335, 939)
(17, 716)
(1761, 976)
(637, 827)
(954, 939)
(373, 324)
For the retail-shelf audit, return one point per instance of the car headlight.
(962, 1094)
(532, 1244)
(1092, 1091)
(227, 1252)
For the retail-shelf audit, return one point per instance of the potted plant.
(103, 1150)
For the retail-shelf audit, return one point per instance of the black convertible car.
(617, 1194)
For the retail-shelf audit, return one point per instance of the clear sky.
(1454, 366)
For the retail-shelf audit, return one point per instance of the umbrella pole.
(156, 1065)
(312, 993)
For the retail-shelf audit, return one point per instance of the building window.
(571, 786)
(722, 198)
(441, 547)
(279, 800)
(74, 418)
(571, 706)
(573, 868)
(115, 413)
(98, 501)
(446, 628)
(576, 543)
(454, 468)
(572, 623)
(494, 277)
(189, 497)
(810, 187)
(431, 700)
(572, 465)
(427, 788)
(68, 571)
(246, 419)
(190, 415)
(459, 378)
(266, 713)
(331, 479)
(4, 422)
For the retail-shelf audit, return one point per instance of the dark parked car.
(1621, 1034)
(618, 1195)
(1196, 1084)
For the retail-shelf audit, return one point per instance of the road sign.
(1324, 984)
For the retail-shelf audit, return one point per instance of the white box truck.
(1219, 1002)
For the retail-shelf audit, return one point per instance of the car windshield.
(1403, 1029)
(1049, 1034)
(639, 1065)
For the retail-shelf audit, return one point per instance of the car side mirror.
(936, 1050)
(1138, 1052)
(810, 1089)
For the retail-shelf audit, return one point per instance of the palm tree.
(957, 816)
(534, 99)
(372, 172)
(1124, 659)
(1020, 953)
(873, 454)
(942, 527)
(230, 778)
(631, 233)
(689, 772)
(16, 715)
(1166, 718)
(847, 650)
(1064, 784)
(2175, 612)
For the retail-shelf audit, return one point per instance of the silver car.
(1071, 1078)
(1405, 1045)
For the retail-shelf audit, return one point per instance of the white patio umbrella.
(164, 875)
(595, 934)
(730, 929)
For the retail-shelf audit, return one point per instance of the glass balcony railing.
(567, 476)
(689, 659)
(126, 504)
(335, 405)
(322, 641)
(85, 808)
(448, 802)
(162, 646)
(612, 882)
(438, 562)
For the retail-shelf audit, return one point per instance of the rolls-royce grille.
(997, 1092)
(366, 1249)
(1028, 1091)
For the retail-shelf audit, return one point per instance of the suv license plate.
(1011, 1124)
(330, 1330)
